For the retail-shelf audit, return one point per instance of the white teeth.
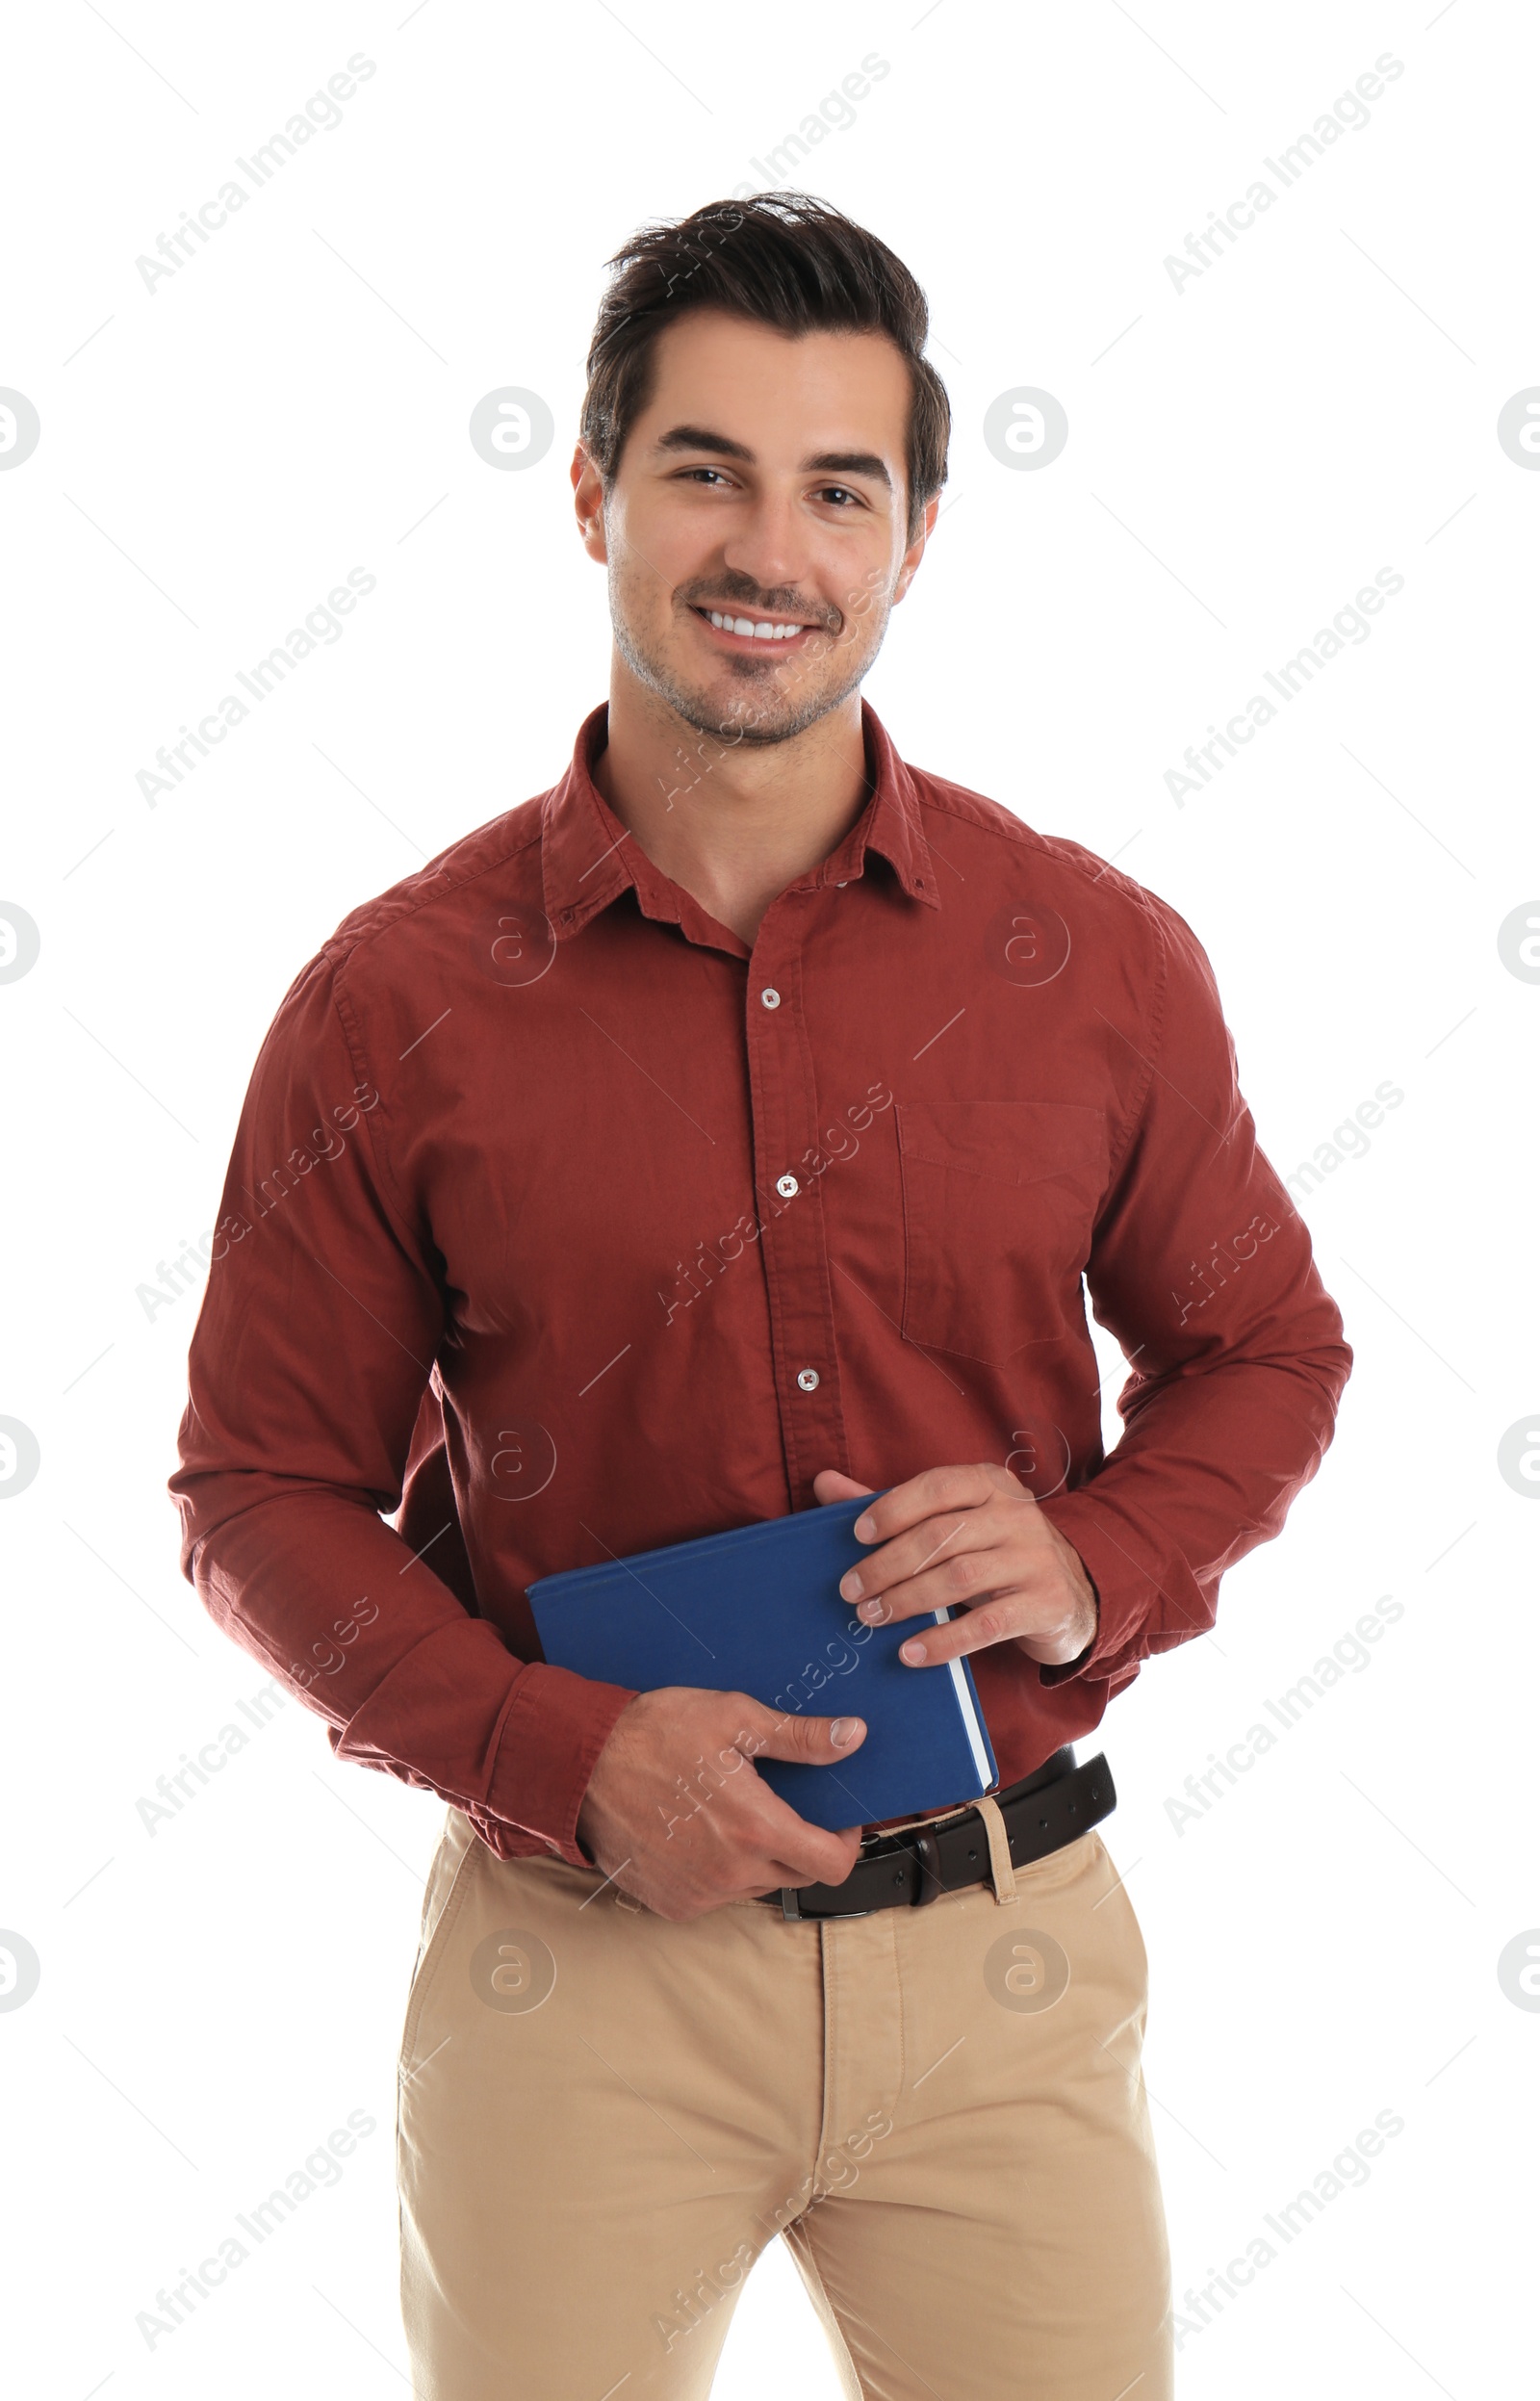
(760, 631)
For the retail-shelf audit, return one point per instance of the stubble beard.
(778, 702)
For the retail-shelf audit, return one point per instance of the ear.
(588, 495)
(916, 548)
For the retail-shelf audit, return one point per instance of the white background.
(1243, 454)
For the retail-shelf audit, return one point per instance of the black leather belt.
(1043, 1813)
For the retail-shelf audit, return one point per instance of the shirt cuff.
(555, 1727)
(1124, 1592)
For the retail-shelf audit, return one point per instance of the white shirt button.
(808, 1379)
(788, 1186)
(770, 997)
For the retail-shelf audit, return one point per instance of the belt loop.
(1002, 1873)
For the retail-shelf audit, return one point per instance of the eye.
(691, 474)
(839, 492)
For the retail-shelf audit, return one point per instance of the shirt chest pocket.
(1000, 1199)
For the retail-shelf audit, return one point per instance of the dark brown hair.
(783, 259)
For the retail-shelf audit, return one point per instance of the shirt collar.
(588, 856)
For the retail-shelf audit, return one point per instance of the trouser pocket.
(449, 1880)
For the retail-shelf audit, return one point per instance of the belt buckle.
(922, 1848)
(793, 1911)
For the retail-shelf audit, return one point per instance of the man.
(723, 1132)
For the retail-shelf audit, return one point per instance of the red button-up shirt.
(586, 1226)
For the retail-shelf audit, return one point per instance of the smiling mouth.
(762, 630)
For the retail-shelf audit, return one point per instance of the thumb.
(830, 1484)
(777, 1734)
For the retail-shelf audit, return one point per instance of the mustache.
(730, 591)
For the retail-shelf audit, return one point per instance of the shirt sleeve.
(1201, 1267)
(309, 1363)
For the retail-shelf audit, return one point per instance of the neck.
(734, 826)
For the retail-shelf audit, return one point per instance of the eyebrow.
(826, 463)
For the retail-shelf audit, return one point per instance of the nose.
(769, 544)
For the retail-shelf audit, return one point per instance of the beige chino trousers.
(605, 2118)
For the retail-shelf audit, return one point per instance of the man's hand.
(676, 1815)
(970, 1538)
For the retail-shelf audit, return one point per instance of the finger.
(906, 1505)
(848, 1850)
(803, 1853)
(966, 1583)
(785, 1873)
(759, 1892)
(775, 1734)
(830, 1484)
(949, 1547)
(999, 1619)
(795, 1851)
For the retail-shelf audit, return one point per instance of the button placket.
(792, 1249)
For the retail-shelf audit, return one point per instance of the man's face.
(754, 531)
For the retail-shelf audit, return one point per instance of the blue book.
(758, 1609)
